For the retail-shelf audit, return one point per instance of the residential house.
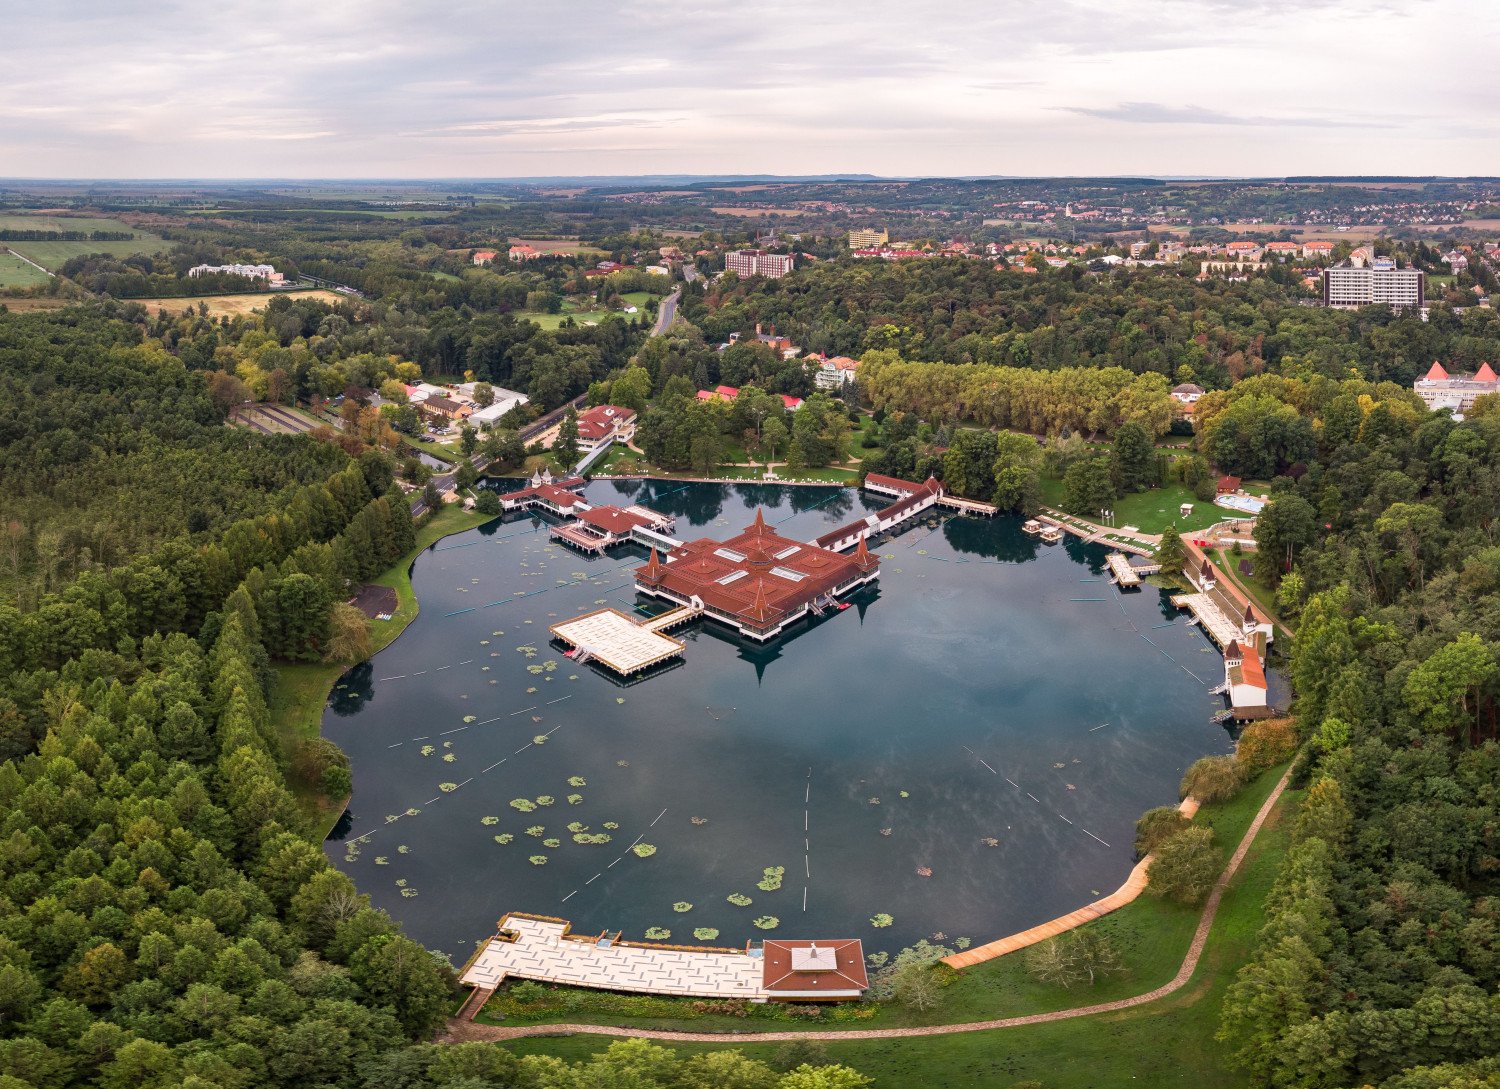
(524, 253)
(1187, 393)
(1317, 249)
(484, 257)
(1282, 250)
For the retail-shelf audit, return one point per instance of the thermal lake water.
(993, 710)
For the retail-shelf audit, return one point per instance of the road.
(666, 312)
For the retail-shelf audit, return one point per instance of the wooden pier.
(1125, 575)
(615, 640)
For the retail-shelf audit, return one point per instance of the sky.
(343, 89)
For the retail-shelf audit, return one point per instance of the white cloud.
(468, 87)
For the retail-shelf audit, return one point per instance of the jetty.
(1126, 574)
(620, 642)
(544, 949)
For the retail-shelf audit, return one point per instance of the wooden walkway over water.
(619, 642)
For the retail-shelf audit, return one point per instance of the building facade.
(746, 263)
(1456, 392)
(868, 238)
(1378, 282)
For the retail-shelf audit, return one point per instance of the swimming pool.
(1243, 503)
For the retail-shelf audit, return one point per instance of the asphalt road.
(666, 312)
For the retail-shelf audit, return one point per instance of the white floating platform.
(611, 637)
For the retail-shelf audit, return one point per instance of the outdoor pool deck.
(617, 641)
(544, 951)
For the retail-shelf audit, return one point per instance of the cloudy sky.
(337, 88)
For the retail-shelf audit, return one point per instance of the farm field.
(558, 245)
(235, 305)
(15, 272)
(26, 305)
(52, 255)
(751, 213)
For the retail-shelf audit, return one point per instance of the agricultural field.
(15, 272)
(235, 306)
(52, 255)
(559, 245)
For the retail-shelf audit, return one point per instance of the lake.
(992, 711)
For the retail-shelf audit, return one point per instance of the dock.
(621, 643)
(1126, 574)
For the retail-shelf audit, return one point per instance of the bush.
(1082, 956)
(527, 991)
(1212, 779)
(1156, 826)
(1186, 866)
(336, 782)
(1265, 744)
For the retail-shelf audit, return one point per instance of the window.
(785, 552)
(729, 554)
(788, 574)
(733, 576)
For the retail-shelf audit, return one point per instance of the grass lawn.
(445, 276)
(1149, 511)
(1169, 1042)
(15, 272)
(51, 255)
(298, 692)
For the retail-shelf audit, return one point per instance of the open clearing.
(44, 302)
(558, 245)
(751, 213)
(51, 255)
(235, 305)
(15, 272)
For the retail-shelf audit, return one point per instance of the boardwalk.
(460, 1031)
(614, 639)
(545, 951)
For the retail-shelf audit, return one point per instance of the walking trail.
(462, 1031)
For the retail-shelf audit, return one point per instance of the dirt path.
(460, 1031)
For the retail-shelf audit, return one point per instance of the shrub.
(504, 837)
(1212, 779)
(527, 991)
(724, 1007)
(771, 879)
(681, 906)
(1185, 866)
(545, 799)
(658, 933)
(644, 850)
(1265, 744)
(1156, 826)
(767, 922)
(738, 899)
(538, 860)
(577, 781)
(552, 841)
(881, 920)
(575, 799)
(1082, 956)
(706, 933)
(525, 805)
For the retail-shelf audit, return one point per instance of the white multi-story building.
(1379, 282)
(267, 273)
(748, 263)
(1438, 389)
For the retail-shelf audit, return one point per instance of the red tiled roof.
(1228, 484)
(845, 969)
(611, 519)
(767, 575)
(1436, 373)
(1485, 374)
(598, 422)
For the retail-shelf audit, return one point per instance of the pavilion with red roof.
(758, 582)
(1457, 393)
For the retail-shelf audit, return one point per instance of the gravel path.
(461, 1031)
